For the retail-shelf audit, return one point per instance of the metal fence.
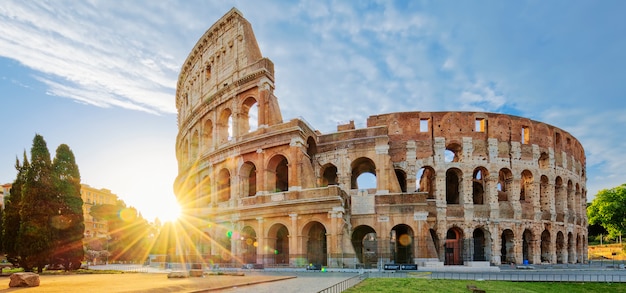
(344, 285)
(536, 276)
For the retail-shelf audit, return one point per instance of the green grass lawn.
(428, 285)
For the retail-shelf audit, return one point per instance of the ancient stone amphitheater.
(451, 188)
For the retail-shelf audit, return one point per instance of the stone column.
(261, 234)
(294, 245)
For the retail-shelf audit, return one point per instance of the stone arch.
(402, 243)
(526, 186)
(401, 176)
(505, 181)
(570, 195)
(454, 179)
(360, 166)
(207, 134)
(249, 115)
(481, 245)
(249, 245)
(453, 247)
(278, 167)
(248, 177)
(278, 244)
(195, 145)
(507, 250)
(561, 249)
(223, 234)
(571, 248)
(329, 175)
(426, 178)
(544, 161)
(560, 199)
(453, 152)
(225, 126)
(315, 243)
(528, 252)
(365, 244)
(223, 185)
(311, 148)
(184, 151)
(479, 185)
(545, 246)
(435, 239)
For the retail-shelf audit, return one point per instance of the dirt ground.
(137, 282)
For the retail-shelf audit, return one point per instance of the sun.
(171, 214)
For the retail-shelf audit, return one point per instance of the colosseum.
(451, 188)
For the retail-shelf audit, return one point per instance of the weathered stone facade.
(452, 188)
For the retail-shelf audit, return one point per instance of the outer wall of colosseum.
(451, 188)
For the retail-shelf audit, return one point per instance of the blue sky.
(100, 76)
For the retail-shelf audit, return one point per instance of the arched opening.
(311, 148)
(207, 135)
(454, 247)
(545, 246)
(571, 248)
(224, 243)
(401, 176)
(481, 245)
(526, 183)
(195, 145)
(329, 175)
(560, 201)
(316, 246)
(402, 244)
(365, 245)
(225, 126)
(248, 244)
(453, 186)
(570, 196)
(248, 178)
(453, 153)
(359, 167)
(279, 166)
(223, 185)
(184, 153)
(508, 247)
(426, 178)
(250, 115)
(479, 185)
(278, 238)
(561, 252)
(579, 249)
(527, 248)
(505, 179)
(544, 161)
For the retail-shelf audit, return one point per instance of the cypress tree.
(68, 224)
(35, 239)
(11, 216)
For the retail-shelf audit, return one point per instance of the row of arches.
(278, 246)
(220, 129)
(272, 247)
(275, 178)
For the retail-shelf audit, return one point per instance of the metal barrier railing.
(344, 285)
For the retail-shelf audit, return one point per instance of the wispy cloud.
(86, 54)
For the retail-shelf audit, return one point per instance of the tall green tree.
(35, 238)
(68, 225)
(11, 216)
(608, 209)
